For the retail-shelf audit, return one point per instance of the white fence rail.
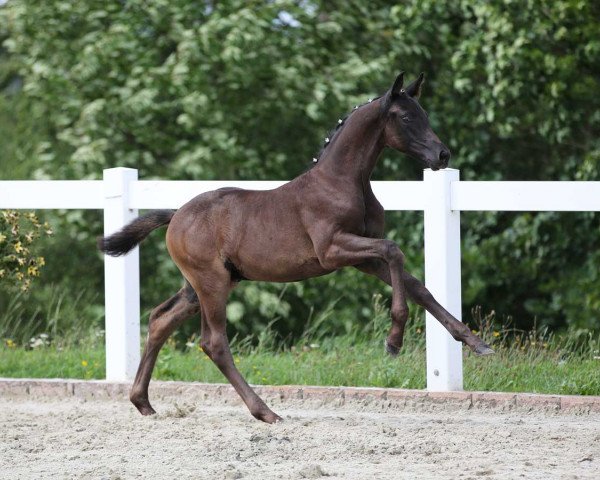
(441, 196)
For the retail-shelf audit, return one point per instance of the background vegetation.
(535, 361)
(185, 89)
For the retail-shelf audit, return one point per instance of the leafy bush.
(18, 264)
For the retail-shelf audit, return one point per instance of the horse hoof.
(268, 417)
(144, 408)
(483, 350)
(391, 349)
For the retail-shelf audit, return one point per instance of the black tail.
(129, 236)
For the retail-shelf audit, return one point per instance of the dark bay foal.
(325, 219)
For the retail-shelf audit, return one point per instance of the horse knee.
(392, 252)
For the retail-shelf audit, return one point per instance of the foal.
(323, 220)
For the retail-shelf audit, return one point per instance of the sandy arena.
(203, 438)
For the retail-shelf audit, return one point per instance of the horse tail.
(130, 235)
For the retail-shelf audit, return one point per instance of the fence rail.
(441, 196)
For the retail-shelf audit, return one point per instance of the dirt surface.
(75, 438)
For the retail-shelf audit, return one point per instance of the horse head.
(407, 126)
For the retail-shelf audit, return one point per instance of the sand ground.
(107, 439)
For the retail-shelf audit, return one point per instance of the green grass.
(547, 367)
(51, 362)
(535, 361)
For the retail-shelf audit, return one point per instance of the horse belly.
(279, 256)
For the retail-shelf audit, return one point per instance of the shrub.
(18, 263)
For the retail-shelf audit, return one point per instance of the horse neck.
(354, 150)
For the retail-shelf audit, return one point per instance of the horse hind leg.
(216, 345)
(164, 319)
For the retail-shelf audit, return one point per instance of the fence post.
(121, 281)
(442, 278)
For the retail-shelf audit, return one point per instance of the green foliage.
(180, 90)
(246, 90)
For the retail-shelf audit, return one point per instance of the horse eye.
(406, 118)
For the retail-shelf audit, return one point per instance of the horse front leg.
(455, 327)
(348, 249)
(423, 297)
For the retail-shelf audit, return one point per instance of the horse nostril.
(444, 156)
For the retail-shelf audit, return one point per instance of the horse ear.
(397, 87)
(414, 89)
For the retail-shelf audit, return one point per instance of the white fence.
(441, 196)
